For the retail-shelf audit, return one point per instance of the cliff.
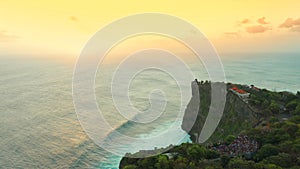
(237, 114)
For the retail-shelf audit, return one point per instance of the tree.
(212, 154)
(147, 162)
(163, 162)
(237, 163)
(295, 119)
(265, 104)
(273, 119)
(229, 139)
(292, 105)
(296, 148)
(297, 110)
(290, 128)
(286, 146)
(274, 107)
(266, 150)
(272, 166)
(180, 163)
(282, 160)
(197, 152)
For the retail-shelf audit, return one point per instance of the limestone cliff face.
(192, 109)
(237, 114)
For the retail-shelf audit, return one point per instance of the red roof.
(239, 90)
(234, 88)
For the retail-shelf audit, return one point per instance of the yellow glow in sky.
(63, 27)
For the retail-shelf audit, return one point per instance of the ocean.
(40, 129)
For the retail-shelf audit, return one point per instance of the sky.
(62, 28)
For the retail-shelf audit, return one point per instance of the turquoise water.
(39, 126)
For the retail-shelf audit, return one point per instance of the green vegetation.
(279, 148)
(274, 125)
(275, 103)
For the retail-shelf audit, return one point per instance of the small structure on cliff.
(254, 88)
(241, 93)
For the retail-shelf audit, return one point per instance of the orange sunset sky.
(62, 28)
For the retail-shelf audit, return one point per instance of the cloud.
(262, 21)
(6, 37)
(244, 21)
(257, 29)
(73, 18)
(290, 22)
